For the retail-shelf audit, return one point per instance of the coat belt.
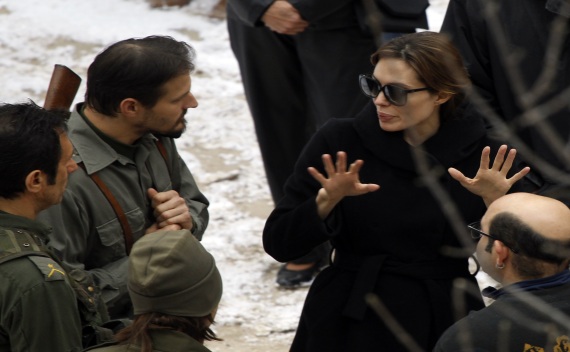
(368, 268)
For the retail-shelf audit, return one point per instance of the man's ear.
(35, 181)
(129, 107)
(502, 251)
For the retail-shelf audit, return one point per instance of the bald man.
(524, 244)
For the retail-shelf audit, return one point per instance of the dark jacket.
(389, 242)
(526, 28)
(38, 307)
(511, 323)
(331, 14)
(322, 14)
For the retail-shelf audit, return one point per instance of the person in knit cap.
(175, 288)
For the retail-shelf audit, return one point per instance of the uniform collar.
(19, 222)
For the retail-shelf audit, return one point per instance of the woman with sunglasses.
(391, 235)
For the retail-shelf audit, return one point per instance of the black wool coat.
(526, 26)
(391, 242)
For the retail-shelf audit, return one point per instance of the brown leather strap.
(127, 233)
(173, 170)
(163, 152)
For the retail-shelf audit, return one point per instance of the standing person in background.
(175, 287)
(132, 180)
(299, 62)
(523, 28)
(524, 244)
(391, 234)
(38, 309)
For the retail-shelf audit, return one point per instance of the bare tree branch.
(401, 334)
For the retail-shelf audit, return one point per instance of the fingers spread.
(509, 161)
(340, 162)
(328, 164)
(519, 175)
(457, 175)
(485, 159)
(316, 175)
(500, 158)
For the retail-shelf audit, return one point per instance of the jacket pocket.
(111, 233)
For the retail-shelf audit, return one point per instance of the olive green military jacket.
(162, 341)
(87, 231)
(38, 309)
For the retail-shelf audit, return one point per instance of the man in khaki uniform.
(132, 181)
(38, 309)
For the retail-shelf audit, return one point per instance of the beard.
(174, 133)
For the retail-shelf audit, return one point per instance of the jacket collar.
(559, 279)
(455, 139)
(90, 148)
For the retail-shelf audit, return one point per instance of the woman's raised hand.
(339, 182)
(491, 183)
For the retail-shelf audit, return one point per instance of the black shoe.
(294, 278)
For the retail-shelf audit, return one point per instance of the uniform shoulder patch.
(47, 266)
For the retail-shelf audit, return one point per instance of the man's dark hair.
(29, 140)
(533, 249)
(136, 68)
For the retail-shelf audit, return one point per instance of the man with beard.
(131, 179)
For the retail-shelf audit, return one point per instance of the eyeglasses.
(476, 234)
(396, 95)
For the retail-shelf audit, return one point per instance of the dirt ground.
(241, 339)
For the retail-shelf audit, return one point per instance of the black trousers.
(294, 84)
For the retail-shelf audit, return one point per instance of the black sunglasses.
(476, 234)
(396, 95)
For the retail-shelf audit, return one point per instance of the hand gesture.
(170, 210)
(339, 182)
(491, 183)
(283, 18)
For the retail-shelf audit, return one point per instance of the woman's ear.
(442, 98)
(35, 181)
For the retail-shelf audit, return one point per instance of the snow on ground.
(219, 146)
